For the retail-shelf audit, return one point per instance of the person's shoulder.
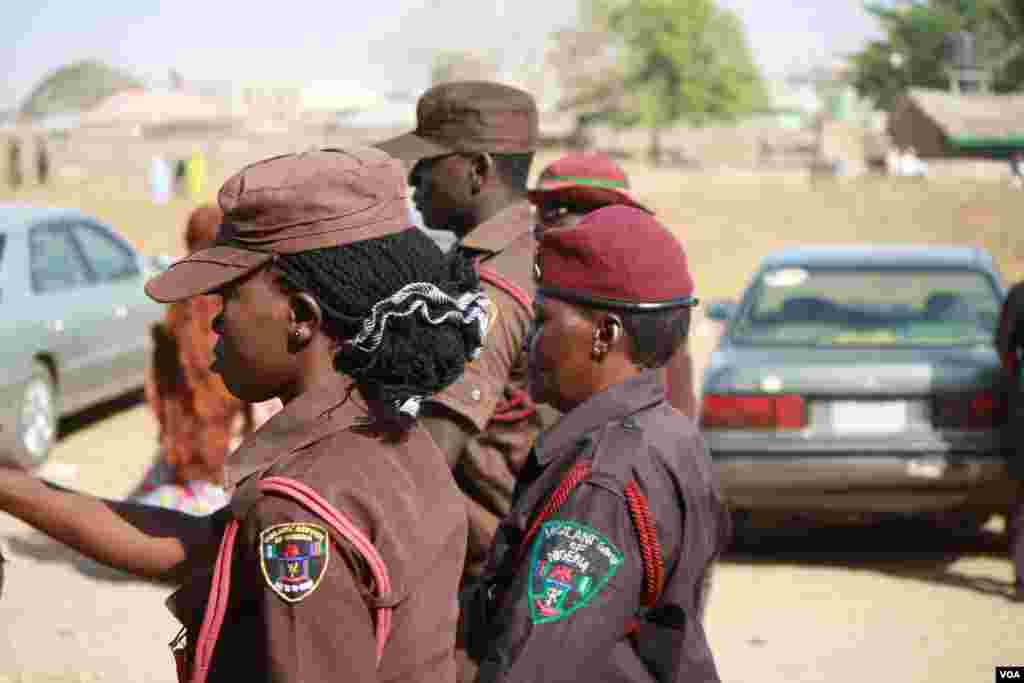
(651, 442)
(511, 271)
(360, 460)
(398, 493)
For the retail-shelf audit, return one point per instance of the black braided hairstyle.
(415, 357)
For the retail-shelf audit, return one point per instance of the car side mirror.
(720, 311)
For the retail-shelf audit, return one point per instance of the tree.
(589, 76)
(682, 60)
(914, 52)
(76, 87)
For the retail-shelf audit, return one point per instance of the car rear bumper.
(907, 483)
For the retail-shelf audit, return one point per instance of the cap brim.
(412, 147)
(603, 195)
(204, 272)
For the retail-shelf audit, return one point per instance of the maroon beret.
(615, 257)
(588, 179)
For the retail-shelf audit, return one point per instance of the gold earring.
(600, 348)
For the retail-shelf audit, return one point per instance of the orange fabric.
(197, 415)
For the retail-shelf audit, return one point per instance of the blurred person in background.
(42, 160)
(195, 174)
(1010, 345)
(1017, 170)
(14, 175)
(200, 422)
(180, 172)
(159, 180)
(572, 187)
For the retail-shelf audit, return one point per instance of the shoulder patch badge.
(570, 564)
(293, 558)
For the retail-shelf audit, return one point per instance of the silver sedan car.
(74, 323)
(861, 381)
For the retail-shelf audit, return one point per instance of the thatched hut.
(939, 124)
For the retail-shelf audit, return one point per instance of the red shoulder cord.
(504, 284)
(217, 603)
(518, 406)
(643, 523)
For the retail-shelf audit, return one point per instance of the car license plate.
(929, 467)
(869, 417)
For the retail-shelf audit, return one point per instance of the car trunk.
(867, 393)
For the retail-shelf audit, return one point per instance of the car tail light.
(977, 411)
(725, 411)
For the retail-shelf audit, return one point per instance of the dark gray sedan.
(861, 380)
(74, 323)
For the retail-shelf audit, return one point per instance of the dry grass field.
(728, 221)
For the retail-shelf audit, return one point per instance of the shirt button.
(475, 394)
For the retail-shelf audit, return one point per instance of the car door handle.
(120, 311)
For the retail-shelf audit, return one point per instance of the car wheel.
(37, 419)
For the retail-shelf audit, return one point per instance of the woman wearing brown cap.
(340, 553)
(597, 572)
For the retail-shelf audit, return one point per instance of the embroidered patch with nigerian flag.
(294, 558)
(570, 564)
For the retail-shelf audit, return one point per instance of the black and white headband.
(421, 298)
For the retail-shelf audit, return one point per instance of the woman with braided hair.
(340, 552)
(597, 573)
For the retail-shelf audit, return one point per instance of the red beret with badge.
(584, 179)
(617, 257)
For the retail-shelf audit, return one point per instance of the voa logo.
(1009, 675)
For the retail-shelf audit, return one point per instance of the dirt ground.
(896, 603)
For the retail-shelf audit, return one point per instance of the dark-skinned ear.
(306, 319)
(481, 169)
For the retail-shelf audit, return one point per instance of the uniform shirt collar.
(613, 404)
(297, 425)
(502, 229)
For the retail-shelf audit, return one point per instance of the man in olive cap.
(471, 154)
(572, 187)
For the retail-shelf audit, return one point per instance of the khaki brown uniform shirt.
(492, 393)
(400, 495)
(559, 609)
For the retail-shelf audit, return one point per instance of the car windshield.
(869, 307)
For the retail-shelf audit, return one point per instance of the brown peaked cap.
(290, 204)
(469, 116)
